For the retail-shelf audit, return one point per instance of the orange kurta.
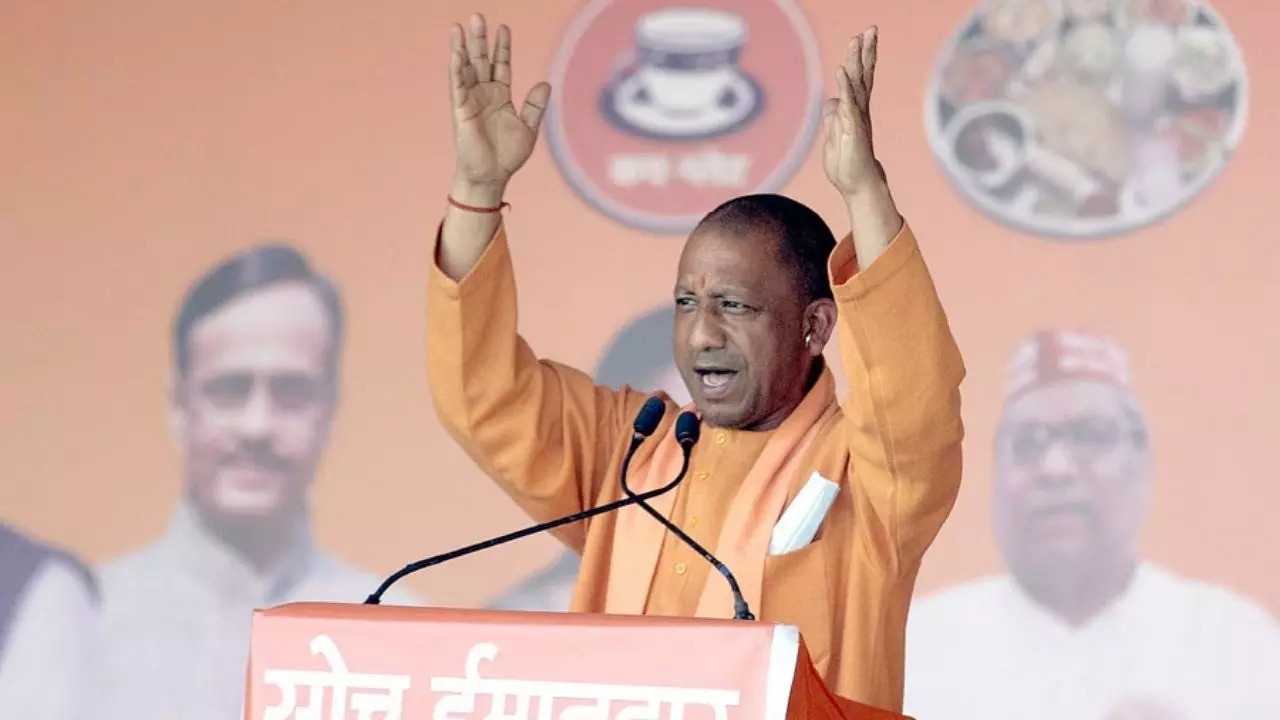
(554, 441)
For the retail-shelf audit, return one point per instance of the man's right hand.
(492, 140)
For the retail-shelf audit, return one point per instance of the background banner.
(1097, 167)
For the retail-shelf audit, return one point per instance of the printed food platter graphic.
(1086, 119)
(660, 111)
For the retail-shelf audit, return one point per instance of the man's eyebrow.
(720, 291)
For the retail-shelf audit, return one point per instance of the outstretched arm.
(493, 141)
(902, 364)
(544, 432)
(848, 153)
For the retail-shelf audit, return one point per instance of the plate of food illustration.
(1086, 119)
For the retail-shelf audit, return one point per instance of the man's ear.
(175, 388)
(819, 325)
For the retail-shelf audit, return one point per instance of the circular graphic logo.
(1083, 119)
(660, 112)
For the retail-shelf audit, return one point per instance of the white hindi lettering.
(460, 699)
(651, 710)
(633, 170)
(598, 710)
(712, 168)
(372, 696)
(708, 168)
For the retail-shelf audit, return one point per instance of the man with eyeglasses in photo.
(1082, 627)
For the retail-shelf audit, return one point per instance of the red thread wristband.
(474, 209)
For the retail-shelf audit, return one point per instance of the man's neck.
(774, 420)
(1078, 597)
(261, 541)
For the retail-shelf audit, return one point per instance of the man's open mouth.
(714, 380)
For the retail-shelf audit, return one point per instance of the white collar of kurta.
(1123, 606)
(202, 556)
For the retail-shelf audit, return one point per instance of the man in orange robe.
(762, 286)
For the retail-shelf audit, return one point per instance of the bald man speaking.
(761, 287)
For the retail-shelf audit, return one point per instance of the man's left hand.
(847, 154)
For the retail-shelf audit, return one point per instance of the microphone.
(687, 435)
(645, 424)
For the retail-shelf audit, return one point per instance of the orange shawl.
(743, 544)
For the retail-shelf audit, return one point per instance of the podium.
(321, 661)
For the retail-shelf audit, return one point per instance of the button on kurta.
(721, 438)
(681, 568)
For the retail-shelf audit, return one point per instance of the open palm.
(493, 141)
(847, 153)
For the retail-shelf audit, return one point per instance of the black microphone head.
(649, 416)
(687, 429)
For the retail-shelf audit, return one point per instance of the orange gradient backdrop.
(141, 142)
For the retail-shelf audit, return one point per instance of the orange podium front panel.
(316, 661)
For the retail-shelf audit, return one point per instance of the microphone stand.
(740, 609)
(632, 499)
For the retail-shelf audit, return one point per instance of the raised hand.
(492, 139)
(847, 153)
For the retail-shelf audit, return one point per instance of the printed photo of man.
(639, 356)
(1083, 627)
(256, 351)
(49, 638)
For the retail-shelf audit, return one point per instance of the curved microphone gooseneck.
(645, 423)
(687, 435)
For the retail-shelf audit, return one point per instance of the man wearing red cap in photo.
(1082, 627)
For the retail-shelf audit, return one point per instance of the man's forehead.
(714, 250)
(287, 314)
(753, 237)
(1064, 400)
